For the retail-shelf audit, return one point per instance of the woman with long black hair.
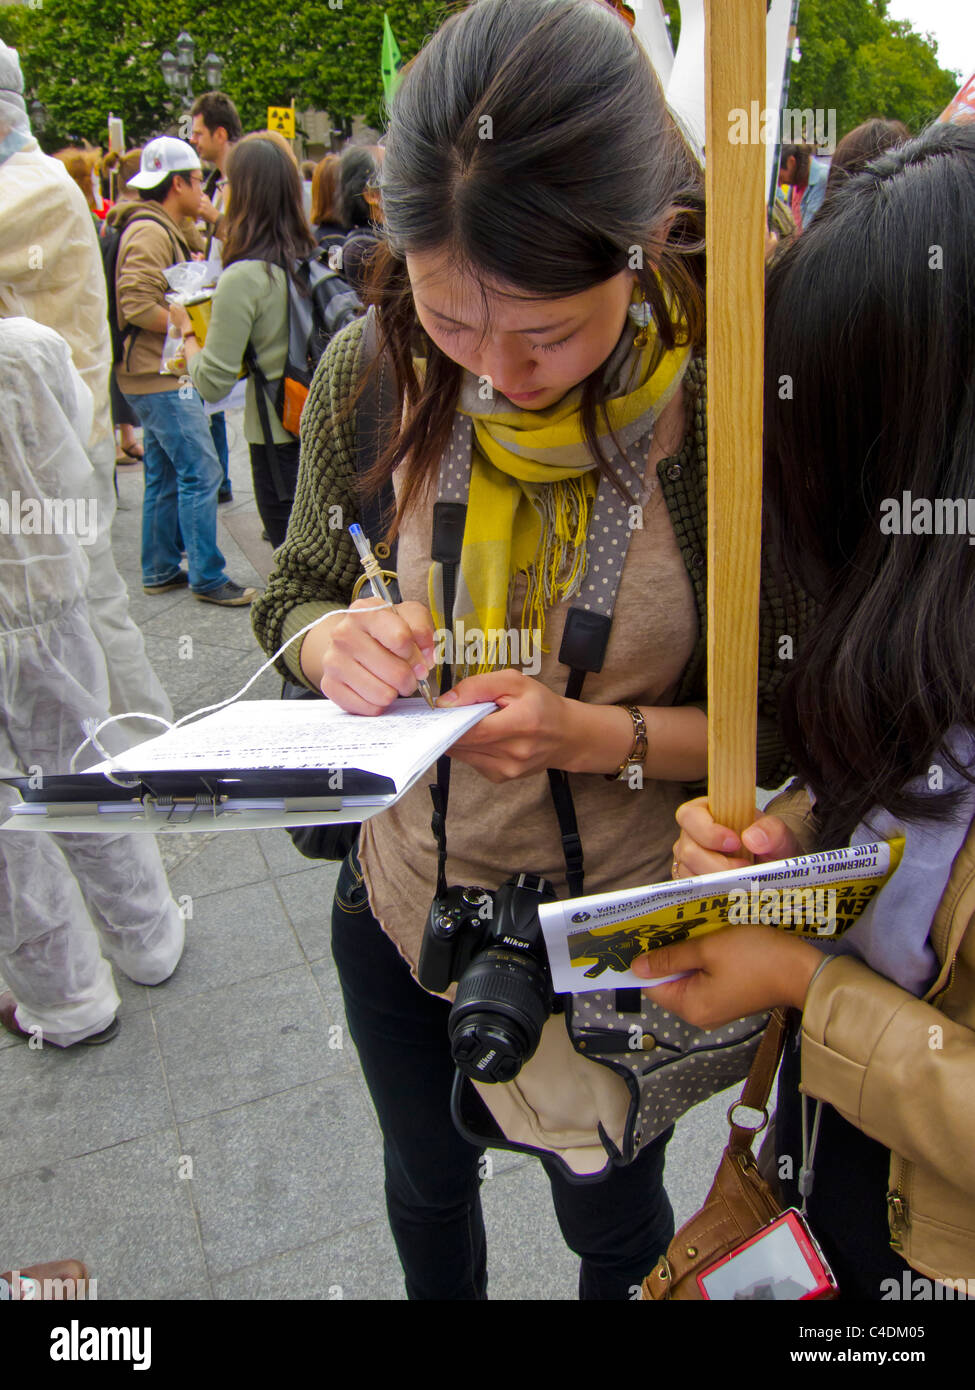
(870, 477)
(266, 233)
(539, 291)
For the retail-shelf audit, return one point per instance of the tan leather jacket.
(903, 1071)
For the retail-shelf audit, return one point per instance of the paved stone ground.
(229, 1070)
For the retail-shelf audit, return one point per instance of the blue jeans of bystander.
(182, 476)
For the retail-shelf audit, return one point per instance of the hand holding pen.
(378, 584)
(364, 658)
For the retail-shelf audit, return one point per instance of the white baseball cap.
(163, 157)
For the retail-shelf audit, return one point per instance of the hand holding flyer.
(592, 942)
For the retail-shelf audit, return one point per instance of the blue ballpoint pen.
(375, 576)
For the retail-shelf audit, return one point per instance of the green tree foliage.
(858, 61)
(84, 58)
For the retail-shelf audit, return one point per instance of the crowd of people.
(509, 261)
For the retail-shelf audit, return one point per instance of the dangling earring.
(642, 316)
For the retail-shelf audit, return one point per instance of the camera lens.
(496, 1021)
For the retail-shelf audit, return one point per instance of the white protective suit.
(51, 272)
(55, 888)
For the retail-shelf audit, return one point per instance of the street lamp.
(177, 69)
(213, 67)
(185, 48)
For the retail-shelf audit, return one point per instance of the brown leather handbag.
(740, 1202)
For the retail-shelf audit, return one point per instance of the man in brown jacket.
(182, 471)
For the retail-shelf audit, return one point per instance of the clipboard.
(210, 793)
(161, 802)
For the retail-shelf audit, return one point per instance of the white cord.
(806, 1173)
(93, 730)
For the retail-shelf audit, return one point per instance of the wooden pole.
(735, 193)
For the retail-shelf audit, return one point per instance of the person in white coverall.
(51, 272)
(60, 894)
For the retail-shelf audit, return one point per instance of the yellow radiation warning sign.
(282, 118)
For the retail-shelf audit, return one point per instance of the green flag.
(392, 60)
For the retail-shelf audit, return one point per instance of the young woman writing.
(514, 252)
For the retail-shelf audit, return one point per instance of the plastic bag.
(187, 278)
(186, 281)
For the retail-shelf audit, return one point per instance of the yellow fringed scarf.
(533, 482)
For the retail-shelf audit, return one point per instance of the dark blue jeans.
(618, 1227)
(182, 474)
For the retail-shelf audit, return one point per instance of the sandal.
(133, 454)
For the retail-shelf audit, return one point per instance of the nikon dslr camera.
(492, 945)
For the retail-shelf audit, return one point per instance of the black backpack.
(110, 241)
(320, 304)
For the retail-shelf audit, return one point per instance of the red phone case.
(824, 1283)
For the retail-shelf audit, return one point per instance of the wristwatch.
(638, 753)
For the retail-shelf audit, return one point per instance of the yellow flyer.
(200, 310)
(593, 941)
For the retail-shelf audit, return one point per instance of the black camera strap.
(449, 519)
(588, 622)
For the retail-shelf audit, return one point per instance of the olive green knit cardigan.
(317, 566)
